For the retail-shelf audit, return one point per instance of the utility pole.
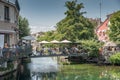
(100, 11)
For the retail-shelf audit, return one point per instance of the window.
(6, 13)
(7, 38)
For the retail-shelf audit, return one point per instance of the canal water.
(49, 69)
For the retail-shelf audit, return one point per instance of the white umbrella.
(44, 42)
(110, 44)
(54, 41)
(28, 38)
(65, 41)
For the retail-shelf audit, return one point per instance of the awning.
(110, 44)
(7, 31)
(54, 41)
(66, 41)
(28, 38)
(44, 41)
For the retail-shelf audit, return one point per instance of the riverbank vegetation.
(91, 47)
(115, 59)
(10, 66)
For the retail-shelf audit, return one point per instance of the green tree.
(75, 26)
(23, 27)
(114, 32)
(91, 47)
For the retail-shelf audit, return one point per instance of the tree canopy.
(114, 32)
(74, 26)
(23, 27)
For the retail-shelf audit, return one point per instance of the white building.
(9, 11)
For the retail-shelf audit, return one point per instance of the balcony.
(4, 25)
(13, 54)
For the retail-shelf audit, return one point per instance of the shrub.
(91, 47)
(115, 59)
(10, 66)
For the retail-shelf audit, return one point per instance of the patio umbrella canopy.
(54, 41)
(110, 44)
(66, 41)
(44, 41)
(28, 38)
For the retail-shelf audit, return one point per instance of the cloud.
(35, 29)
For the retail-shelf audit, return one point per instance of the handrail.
(12, 54)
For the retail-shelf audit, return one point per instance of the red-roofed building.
(101, 31)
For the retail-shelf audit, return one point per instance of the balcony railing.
(12, 54)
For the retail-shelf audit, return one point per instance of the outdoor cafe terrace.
(25, 50)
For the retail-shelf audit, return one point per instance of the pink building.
(101, 31)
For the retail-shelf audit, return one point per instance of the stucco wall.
(12, 12)
(9, 25)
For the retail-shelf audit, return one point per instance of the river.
(48, 69)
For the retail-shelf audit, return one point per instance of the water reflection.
(48, 69)
(44, 76)
(43, 69)
(43, 65)
(23, 72)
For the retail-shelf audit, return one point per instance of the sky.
(44, 14)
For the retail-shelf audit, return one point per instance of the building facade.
(9, 11)
(101, 31)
